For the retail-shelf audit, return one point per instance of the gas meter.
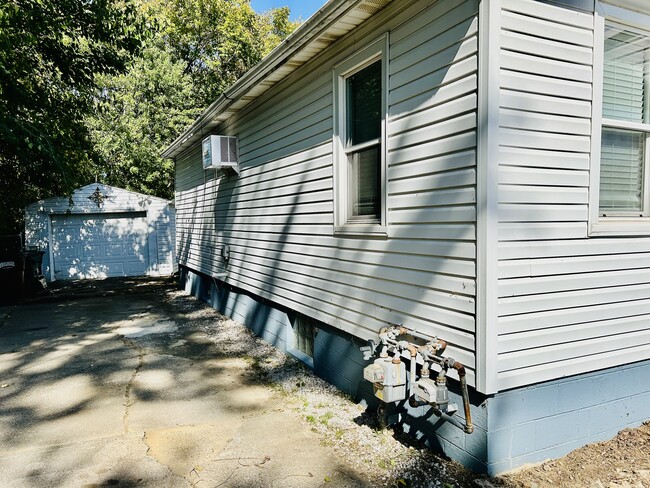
(388, 377)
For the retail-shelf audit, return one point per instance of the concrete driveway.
(110, 384)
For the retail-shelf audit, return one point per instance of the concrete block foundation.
(511, 428)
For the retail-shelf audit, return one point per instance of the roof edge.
(324, 17)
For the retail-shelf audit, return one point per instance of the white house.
(475, 170)
(101, 231)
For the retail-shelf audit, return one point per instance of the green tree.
(219, 40)
(50, 52)
(201, 48)
(138, 114)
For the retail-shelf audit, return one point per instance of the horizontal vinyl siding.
(277, 216)
(568, 304)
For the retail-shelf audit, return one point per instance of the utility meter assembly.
(391, 383)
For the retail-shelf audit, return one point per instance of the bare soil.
(620, 462)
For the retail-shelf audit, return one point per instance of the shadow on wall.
(422, 275)
(280, 226)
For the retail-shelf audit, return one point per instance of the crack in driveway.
(128, 402)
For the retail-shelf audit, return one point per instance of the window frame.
(293, 334)
(344, 222)
(617, 223)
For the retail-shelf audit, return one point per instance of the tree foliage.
(50, 53)
(137, 114)
(219, 40)
(200, 49)
(96, 89)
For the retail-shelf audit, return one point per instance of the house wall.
(277, 215)
(571, 308)
(160, 221)
(568, 303)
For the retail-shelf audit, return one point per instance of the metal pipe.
(424, 372)
(469, 428)
(430, 353)
(449, 418)
(414, 352)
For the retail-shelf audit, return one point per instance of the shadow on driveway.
(115, 383)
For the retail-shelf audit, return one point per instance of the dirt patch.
(621, 462)
(185, 450)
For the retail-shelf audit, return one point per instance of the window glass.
(304, 336)
(625, 118)
(621, 170)
(363, 93)
(625, 75)
(364, 105)
(364, 183)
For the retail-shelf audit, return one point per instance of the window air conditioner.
(220, 152)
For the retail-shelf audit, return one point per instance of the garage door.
(99, 245)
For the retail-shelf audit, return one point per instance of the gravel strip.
(383, 457)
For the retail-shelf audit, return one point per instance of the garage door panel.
(136, 269)
(117, 250)
(98, 246)
(91, 250)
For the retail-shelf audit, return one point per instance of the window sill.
(621, 227)
(362, 230)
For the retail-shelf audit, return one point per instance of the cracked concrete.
(129, 386)
(117, 389)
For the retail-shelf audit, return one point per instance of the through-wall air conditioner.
(220, 152)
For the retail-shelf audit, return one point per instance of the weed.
(401, 482)
(325, 418)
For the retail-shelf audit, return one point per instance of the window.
(620, 202)
(303, 335)
(300, 338)
(626, 123)
(359, 135)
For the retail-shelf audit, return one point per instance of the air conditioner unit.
(220, 152)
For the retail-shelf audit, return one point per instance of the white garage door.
(99, 245)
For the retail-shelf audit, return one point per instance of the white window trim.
(377, 50)
(612, 225)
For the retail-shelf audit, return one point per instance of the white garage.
(102, 231)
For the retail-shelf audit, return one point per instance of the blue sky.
(299, 8)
